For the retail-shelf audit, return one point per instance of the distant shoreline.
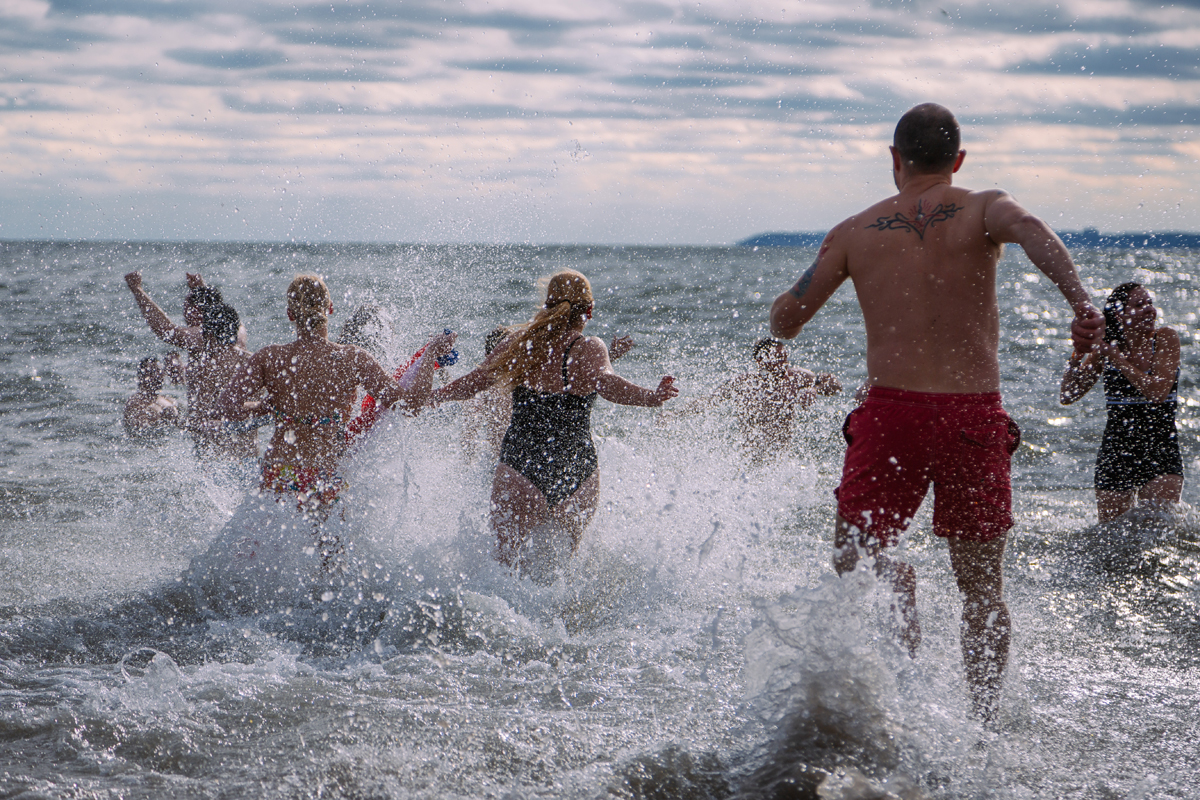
(1088, 237)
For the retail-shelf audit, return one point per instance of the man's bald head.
(927, 138)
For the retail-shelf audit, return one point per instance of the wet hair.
(203, 297)
(221, 323)
(764, 344)
(568, 298)
(1117, 300)
(150, 374)
(308, 301)
(927, 138)
(364, 329)
(494, 338)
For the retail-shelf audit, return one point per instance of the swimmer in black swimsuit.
(547, 469)
(1139, 456)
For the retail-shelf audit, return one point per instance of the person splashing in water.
(1139, 457)
(214, 354)
(923, 263)
(766, 400)
(548, 467)
(310, 387)
(148, 413)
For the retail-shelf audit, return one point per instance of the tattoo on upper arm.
(801, 288)
(920, 221)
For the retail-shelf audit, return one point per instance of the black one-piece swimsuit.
(549, 439)
(1140, 440)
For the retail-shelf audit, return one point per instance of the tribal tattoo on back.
(919, 222)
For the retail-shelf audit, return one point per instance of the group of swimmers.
(923, 263)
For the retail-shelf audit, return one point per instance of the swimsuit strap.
(334, 419)
(567, 355)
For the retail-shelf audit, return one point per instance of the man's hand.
(1087, 329)
(133, 280)
(620, 346)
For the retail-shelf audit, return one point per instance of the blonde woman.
(548, 466)
(310, 387)
(296, 531)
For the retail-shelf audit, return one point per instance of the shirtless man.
(149, 413)
(766, 400)
(211, 364)
(923, 263)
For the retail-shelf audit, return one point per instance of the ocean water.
(698, 646)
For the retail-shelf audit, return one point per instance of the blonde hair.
(568, 299)
(308, 301)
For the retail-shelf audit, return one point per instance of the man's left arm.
(795, 307)
(1006, 221)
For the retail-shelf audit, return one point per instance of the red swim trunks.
(898, 442)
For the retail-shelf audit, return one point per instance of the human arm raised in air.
(619, 346)
(795, 307)
(1006, 221)
(157, 319)
(590, 369)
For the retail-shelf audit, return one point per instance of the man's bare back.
(923, 263)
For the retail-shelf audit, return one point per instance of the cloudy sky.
(546, 121)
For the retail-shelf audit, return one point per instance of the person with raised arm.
(923, 263)
(1139, 459)
(296, 539)
(766, 400)
(215, 352)
(548, 470)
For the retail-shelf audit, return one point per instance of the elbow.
(782, 324)
(1031, 231)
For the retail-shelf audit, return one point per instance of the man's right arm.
(1006, 221)
(157, 319)
(795, 307)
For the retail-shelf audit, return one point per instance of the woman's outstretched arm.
(1080, 376)
(413, 391)
(590, 369)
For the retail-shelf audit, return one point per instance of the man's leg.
(986, 626)
(848, 540)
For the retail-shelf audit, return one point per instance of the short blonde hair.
(308, 300)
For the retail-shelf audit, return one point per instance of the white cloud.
(703, 122)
